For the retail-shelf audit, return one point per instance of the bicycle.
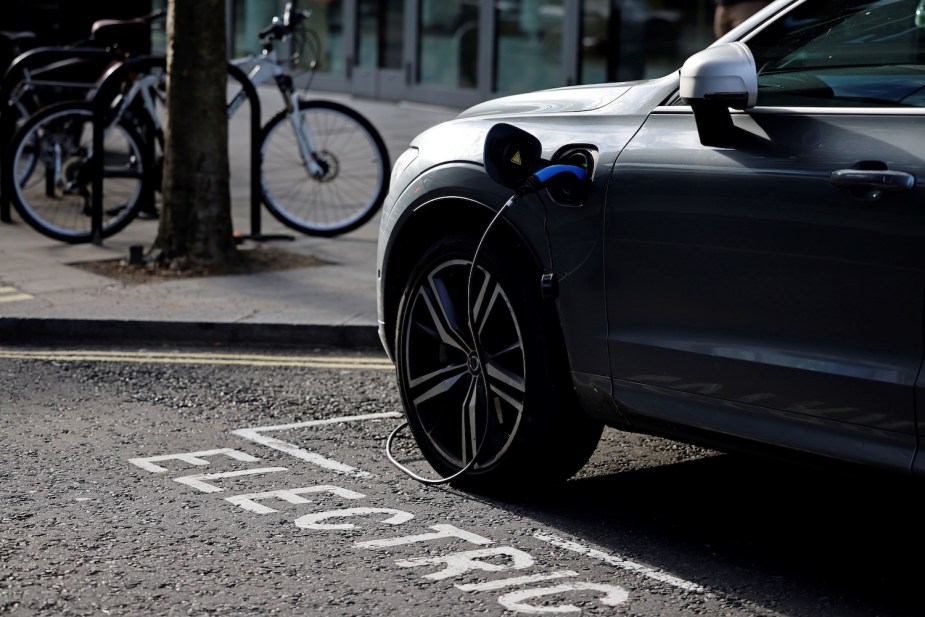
(41, 77)
(323, 166)
(49, 168)
(34, 77)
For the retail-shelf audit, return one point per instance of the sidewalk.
(45, 298)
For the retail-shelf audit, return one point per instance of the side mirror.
(511, 155)
(714, 80)
(724, 74)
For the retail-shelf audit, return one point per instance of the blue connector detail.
(550, 172)
(536, 181)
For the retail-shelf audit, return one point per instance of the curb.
(97, 331)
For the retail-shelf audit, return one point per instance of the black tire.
(535, 432)
(355, 180)
(48, 166)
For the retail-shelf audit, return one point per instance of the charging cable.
(532, 184)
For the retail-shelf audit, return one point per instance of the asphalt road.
(243, 482)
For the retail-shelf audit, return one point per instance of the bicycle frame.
(262, 69)
(143, 86)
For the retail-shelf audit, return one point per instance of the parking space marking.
(191, 458)
(160, 357)
(313, 521)
(250, 501)
(200, 482)
(617, 561)
(9, 293)
(256, 435)
(516, 581)
(520, 588)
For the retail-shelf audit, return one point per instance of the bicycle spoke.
(53, 166)
(353, 161)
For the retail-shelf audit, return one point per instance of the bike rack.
(109, 89)
(251, 91)
(39, 56)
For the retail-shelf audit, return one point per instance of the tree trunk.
(195, 231)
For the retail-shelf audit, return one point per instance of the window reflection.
(624, 40)
(529, 45)
(249, 18)
(380, 24)
(159, 29)
(449, 43)
(842, 54)
(326, 47)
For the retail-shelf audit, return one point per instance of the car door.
(772, 287)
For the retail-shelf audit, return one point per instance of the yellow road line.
(8, 293)
(158, 357)
(15, 297)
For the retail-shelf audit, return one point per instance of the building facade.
(451, 52)
(459, 52)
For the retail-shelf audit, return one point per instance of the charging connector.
(540, 178)
(568, 189)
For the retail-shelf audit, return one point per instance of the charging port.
(566, 188)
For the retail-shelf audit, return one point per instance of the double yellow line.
(11, 294)
(161, 357)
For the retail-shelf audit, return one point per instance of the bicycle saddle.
(133, 36)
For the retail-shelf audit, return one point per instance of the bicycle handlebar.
(281, 28)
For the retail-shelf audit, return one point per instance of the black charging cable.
(532, 184)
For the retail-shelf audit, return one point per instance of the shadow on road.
(808, 541)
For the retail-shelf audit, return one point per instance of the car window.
(843, 53)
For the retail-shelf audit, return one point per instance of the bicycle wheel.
(353, 180)
(49, 162)
(18, 113)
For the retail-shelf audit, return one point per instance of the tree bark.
(195, 231)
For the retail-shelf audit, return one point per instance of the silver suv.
(732, 254)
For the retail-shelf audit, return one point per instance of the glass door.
(376, 68)
(325, 47)
(248, 18)
(531, 44)
(449, 44)
(321, 57)
(641, 39)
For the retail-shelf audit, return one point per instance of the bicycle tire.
(52, 191)
(18, 114)
(356, 177)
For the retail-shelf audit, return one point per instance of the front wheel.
(49, 164)
(523, 430)
(346, 181)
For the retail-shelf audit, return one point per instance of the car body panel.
(555, 100)
(574, 231)
(766, 285)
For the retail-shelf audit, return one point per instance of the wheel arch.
(426, 224)
(551, 437)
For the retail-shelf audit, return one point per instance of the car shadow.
(809, 541)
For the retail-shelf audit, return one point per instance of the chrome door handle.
(873, 179)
